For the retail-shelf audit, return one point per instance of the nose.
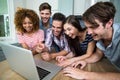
(27, 24)
(90, 31)
(44, 15)
(67, 32)
(55, 29)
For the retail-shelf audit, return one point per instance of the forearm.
(69, 55)
(61, 53)
(94, 58)
(83, 57)
(102, 76)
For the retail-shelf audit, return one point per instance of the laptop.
(21, 61)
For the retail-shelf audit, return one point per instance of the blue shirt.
(112, 51)
(44, 28)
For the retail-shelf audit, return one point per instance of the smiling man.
(55, 39)
(45, 16)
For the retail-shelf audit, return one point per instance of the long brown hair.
(74, 43)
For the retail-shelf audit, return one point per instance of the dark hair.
(20, 15)
(74, 43)
(44, 6)
(59, 16)
(103, 11)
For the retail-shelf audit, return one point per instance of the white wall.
(80, 6)
(34, 4)
(66, 7)
(63, 6)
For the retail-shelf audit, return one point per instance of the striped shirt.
(85, 43)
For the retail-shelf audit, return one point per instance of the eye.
(69, 29)
(24, 23)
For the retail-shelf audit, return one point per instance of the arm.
(89, 52)
(26, 47)
(90, 49)
(49, 56)
(95, 56)
(62, 58)
(61, 53)
(92, 59)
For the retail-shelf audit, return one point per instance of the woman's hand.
(46, 56)
(80, 64)
(66, 62)
(59, 59)
(40, 47)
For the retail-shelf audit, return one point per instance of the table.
(102, 66)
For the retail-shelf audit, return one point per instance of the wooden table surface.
(7, 74)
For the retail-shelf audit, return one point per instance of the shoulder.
(49, 30)
(40, 31)
(116, 32)
(116, 27)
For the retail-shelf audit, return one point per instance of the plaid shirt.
(61, 43)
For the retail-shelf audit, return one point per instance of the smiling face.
(45, 15)
(27, 24)
(98, 32)
(57, 27)
(70, 30)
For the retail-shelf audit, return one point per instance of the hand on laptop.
(46, 56)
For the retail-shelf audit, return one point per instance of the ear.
(109, 23)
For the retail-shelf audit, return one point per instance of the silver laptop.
(21, 61)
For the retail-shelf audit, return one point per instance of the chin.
(96, 39)
(56, 35)
(73, 37)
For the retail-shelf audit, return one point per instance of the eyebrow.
(89, 27)
(56, 26)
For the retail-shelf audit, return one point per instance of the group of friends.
(70, 44)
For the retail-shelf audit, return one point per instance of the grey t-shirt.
(112, 51)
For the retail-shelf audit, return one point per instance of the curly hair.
(21, 14)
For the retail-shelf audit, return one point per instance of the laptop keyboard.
(42, 72)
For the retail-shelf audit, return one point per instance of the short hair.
(59, 16)
(21, 14)
(103, 11)
(44, 6)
